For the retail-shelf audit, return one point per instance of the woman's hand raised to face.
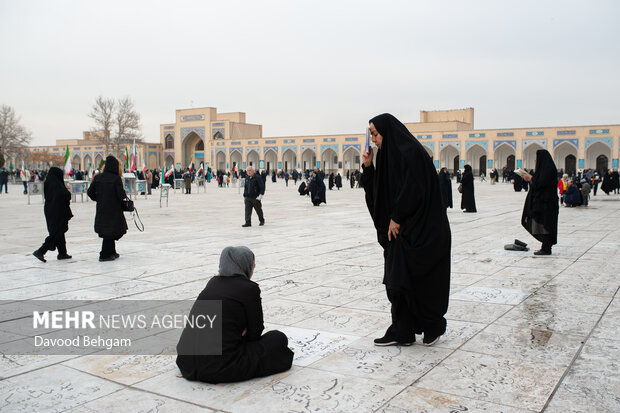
(367, 157)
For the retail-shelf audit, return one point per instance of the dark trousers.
(276, 357)
(108, 248)
(6, 187)
(56, 241)
(403, 321)
(547, 243)
(257, 205)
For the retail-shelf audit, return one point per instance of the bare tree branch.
(103, 115)
(13, 136)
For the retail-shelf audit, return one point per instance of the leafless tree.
(13, 137)
(103, 115)
(127, 123)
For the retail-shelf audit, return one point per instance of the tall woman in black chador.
(404, 201)
(540, 212)
(468, 201)
(57, 215)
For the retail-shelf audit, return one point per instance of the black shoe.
(39, 255)
(389, 340)
(246, 225)
(542, 252)
(262, 223)
(429, 341)
(64, 257)
(116, 255)
(520, 243)
(110, 258)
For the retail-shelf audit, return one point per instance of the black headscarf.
(111, 165)
(545, 172)
(54, 181)
(405, 179)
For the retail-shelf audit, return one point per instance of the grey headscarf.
(236, 261)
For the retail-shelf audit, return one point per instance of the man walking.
(252, 194)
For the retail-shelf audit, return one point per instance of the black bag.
(127, 205)
(460, 188)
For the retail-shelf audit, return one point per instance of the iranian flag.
(90, 171)
(235, 168)
(126, 159)
(170, 171)
(144, 169)
(191, 163)
(200, 169)
(133, 157)
(22, 172)
(68, 168)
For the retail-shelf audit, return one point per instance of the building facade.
(223, 141)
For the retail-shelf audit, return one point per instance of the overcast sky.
(311, 67)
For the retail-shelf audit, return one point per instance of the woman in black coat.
(540, 212)
(338, 181)
(468, 202)
(107, 190)
(445, 185)
(57, 215)
(403, 197)
(317, 190)
(246, 351)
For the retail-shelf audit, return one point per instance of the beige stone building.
(223, 140)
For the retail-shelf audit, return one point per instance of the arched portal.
(563, 153)
(252, 159)
(194, 149)
(76, 163)
(289, 160)
(88, 163)
(329, 161)
(529, 155)
(352, 159)
(474, 157)
(308, 159)
(271, 161)
(169, 162)
(169, 142)
(597, 156)
(504, 156)
(449, 158)
(220, 161)
(236, 160)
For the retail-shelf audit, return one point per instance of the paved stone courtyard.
(524, 333)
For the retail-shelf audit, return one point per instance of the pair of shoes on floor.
(542, 252)
(64, 257)
(110, 258)
(39, 255)
(515, 247)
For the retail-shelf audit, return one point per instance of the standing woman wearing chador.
(404, 201)
(107, 190)
(540, 212)
(445, 185)
(57, 214)
(468, 202)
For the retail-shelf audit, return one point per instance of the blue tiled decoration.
(354, 145)
(450, 135)
(574, 142)
(424, 136)
(188, 118)
(607, 141)
(462, 163)
(289, 140)
(490, 163)
(308, 140)
(218, 131)
(519, 163)
(535, 133)
(270, 141)
(429, 145)
(436, 163)
(279, 165)
(477, 135)
(614, 163)
(455, 145)
(352, 139)
(582, 163)
(273, 148)
(252, 148)
(512, 143)
(200, 131)
(502, 134)
(484, 144)
(304, 147)
(329, 139)
(231, 150)
(218, 124)
(329, 146)
(566, 132)
(291, 147)
(599, 131)
(168, 127)
(527, 142)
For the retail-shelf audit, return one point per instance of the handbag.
(460, 188)
(127, 205)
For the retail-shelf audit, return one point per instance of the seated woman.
(572, 196)
(245, 352)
